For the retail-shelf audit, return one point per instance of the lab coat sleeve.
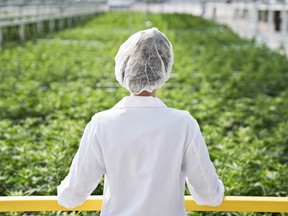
(85, 172)
(201, 177)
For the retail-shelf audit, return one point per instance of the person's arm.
(85, 172)
(202, 180)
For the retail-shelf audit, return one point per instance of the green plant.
(236, 89)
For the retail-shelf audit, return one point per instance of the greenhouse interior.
(262, 20)
(58, 68)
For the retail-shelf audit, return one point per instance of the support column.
(1, 36)
(69, 21)
(22, 32)
(203, 8)
(254, 18)
(39, 26)
(271, 20)
(61, 23)
(284, 27)
(52, 25)
(214, 13)
(235, 13)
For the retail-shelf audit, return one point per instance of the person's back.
(146, 151)
(143, 164)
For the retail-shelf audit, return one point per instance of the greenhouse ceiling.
(120, 2)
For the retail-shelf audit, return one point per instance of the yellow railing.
(94, 203)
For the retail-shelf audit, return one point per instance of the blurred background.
(230, 73)
(264, 20)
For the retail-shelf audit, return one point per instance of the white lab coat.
(146, 151)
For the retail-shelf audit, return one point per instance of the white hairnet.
(144, 61)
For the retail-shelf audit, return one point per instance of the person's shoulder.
(180, 113)
(101, 116)
(183, 114)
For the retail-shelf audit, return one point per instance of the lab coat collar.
(140, 101)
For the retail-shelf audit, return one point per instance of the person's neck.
(145, 93)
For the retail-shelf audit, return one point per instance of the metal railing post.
(22, 32)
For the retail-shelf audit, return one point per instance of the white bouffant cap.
(144, 61)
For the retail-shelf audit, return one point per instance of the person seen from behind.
(145, 150)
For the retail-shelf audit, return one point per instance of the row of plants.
(235, 88)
